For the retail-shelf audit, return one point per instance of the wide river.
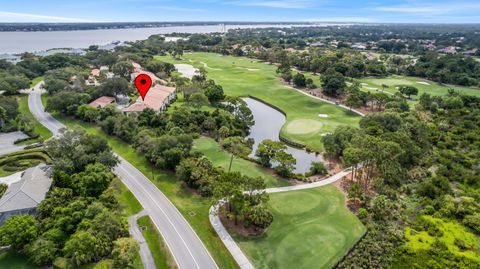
(268, 122)
(18, 42)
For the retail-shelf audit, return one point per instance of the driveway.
(7, 142)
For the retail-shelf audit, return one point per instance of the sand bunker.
(323, 115)
(253, 69)
(423, 83)
(186, 70)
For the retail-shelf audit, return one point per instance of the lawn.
(14, 260)
(43, 132)
(423, 85)
(214, 153)
(35, 81)
(311, 229)
(241, 76)
(127, 200)
(130, 206)
(193, 207)
(157, 246)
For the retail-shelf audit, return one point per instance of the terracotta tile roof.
(165, 88)
(102, 101)
(95, 72)
(136, 107)
(156, 98)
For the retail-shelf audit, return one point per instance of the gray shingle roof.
(29, 191)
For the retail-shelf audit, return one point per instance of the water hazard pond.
(268, 122)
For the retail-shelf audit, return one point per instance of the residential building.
(471, 52)
(102, 102)
(23, 197)
(448, 50)
(157, 98)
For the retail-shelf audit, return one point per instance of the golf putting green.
(311, 229)
(303, 126)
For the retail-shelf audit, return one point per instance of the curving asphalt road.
(184, 244)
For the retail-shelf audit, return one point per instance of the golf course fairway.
(240, 76)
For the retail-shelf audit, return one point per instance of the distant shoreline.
(52, 27)
(17, 42)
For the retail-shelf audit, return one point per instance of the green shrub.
(317, 168)
(3, 188)
(61, 263)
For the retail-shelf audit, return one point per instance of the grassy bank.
(35, 81)
(214, 153)
(130, 206)
(311, 229)
(160, 252)
(43, 132)
(241, 76)
(14, 260)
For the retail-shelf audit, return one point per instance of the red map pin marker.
(143, 83)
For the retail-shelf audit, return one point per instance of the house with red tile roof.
(102, 102)
(471, 52)
(157, 98)
(137, 70)
(448, 50)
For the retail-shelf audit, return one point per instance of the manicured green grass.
(243, 77)
(221, 158)
(160, 252)
(43, 132)
(14, 260)
(127, 200)
(183, 199)
(423, 85)
(311, 229)
(35, 81)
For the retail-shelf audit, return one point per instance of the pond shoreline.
(268, 122)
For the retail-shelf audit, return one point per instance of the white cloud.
(341, 19)
(292, 4)
(181, 9)
(26, 17)
(430, 9)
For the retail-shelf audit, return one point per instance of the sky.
(367, 11)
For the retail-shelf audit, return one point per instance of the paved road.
(237, 253)
(36, 107)
(7, 142)
(184, 244)
(145, 253)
